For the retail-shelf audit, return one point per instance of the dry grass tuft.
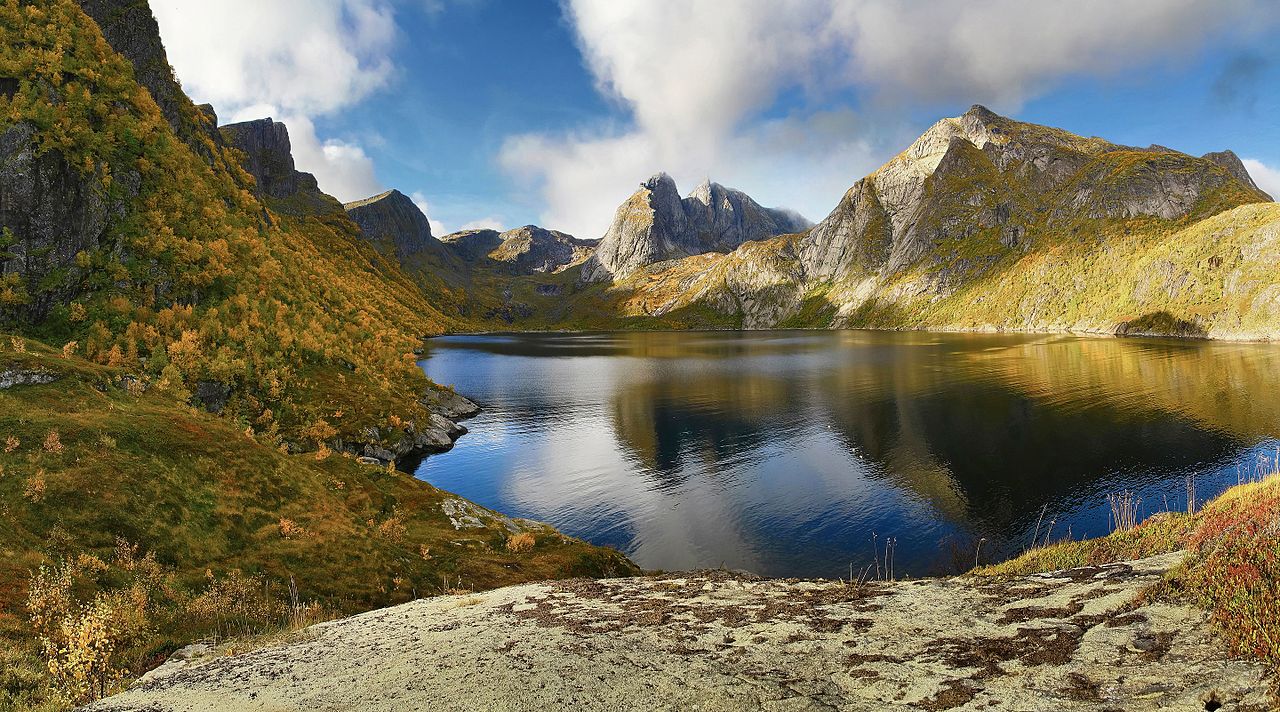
(520, 543)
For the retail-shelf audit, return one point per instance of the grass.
(1232, 567)
(210, 501)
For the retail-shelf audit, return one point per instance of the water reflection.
(785, 452)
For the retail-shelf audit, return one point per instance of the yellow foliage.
(53, 443)
(522, 542)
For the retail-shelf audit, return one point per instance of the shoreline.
(995, 331)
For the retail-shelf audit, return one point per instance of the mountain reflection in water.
(786, 453)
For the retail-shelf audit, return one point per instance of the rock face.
(1070, 640)
(520, 251)
(392, 221)
(436, 434)
(268, 157)
(656, 224)
(1230, 161)
(50, 212)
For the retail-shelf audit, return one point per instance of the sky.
(494, 113)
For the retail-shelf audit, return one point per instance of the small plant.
(11, 443)
(323, 452)
(290, 529)
(69, 349)
(520, 543)
(1124, 510)
(392, 529)
(53, 443)
(34, 488)
(18, 344)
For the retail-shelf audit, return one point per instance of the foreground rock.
(1071, 640)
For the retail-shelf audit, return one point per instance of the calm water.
(787, 453)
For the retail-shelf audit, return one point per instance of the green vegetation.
(194, 283)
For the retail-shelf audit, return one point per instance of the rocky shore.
(1082, 639)
(437, 433)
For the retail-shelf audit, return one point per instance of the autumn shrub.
(89, 642)
(393, 529)
(290, 529)
(520, 543)
(1234, 568)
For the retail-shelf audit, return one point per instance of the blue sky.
(537, 111)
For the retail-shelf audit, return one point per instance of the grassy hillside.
(92, 459)
(187, 278)
(167, 340)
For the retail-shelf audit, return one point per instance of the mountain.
(520, 251)
(987, 180)
(268, 156)
(204, 357)
(987, 223)
(656, 224)
(394, 223)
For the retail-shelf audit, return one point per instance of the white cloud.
(420, 200)
(1267, 178)
(699, 81)
(485, 223)
(293, 60)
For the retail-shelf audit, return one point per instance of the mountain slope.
(989, 223)
(149, 246)
(656, 224)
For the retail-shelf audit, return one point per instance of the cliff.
(268, 157)
(656, 224)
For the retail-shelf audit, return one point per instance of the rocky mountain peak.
(1230, 161)
(982, 176)
(393, 221)
(268, 157)
(656, 224)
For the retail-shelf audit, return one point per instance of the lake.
(793, 453)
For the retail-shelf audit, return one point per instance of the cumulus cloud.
(1267, 177)
(420, 200)
(699, 82)
(485, 223)
(293, 60)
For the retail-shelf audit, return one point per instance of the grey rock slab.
(1072, 640)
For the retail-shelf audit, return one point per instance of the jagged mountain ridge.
(989, 223)
(522, 250)
(985, 177)
(656, 224)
